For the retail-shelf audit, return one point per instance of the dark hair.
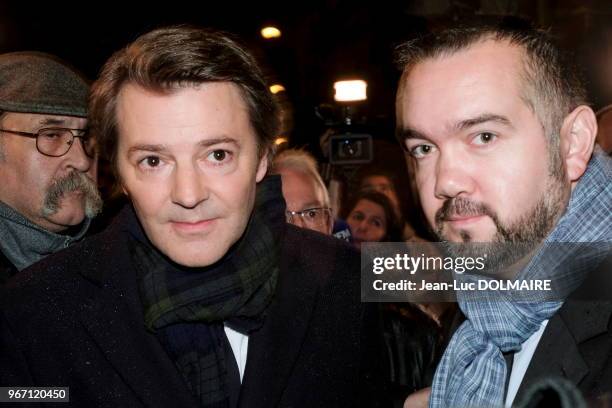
(373, 171)
(394, 228)
(172, 58)
(552, 87)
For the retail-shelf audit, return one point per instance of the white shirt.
(521, 361)
(240, 345)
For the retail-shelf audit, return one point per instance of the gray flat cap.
(34, 82)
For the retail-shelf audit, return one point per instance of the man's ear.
(577, 140)
(262, 167)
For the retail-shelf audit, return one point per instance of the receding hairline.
(523, 74)
(303, 163)
(453, 51)
(308, 177)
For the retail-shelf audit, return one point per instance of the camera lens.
(350, 149)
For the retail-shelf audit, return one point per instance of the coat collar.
(113, 318)
(273, 349)
(7, 269)
(584, 316)
(25, 243)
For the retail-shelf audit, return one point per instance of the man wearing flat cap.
(48, 179)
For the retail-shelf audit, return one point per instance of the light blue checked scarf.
(472, 371)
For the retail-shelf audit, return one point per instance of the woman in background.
(372, 218)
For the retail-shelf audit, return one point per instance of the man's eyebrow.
(312, 204)
(157, 148)
(408, 133)
(219, 140)
(146, 148)
(485, 117)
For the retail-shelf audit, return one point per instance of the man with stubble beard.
(497, 123)
(47, 159)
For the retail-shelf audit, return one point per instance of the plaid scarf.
(187, 307)
(473, 370)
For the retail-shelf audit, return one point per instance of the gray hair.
(303, 162)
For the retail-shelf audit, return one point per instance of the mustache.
(73, 182)
(462, 207)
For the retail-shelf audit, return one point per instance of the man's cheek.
(426, 194)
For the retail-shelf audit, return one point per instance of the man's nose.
(77, 158)
(452, 176)
(298, 221)
(189, 188)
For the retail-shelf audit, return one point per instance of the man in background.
(304, 191)
(47, 159)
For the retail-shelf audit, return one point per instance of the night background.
(321, 42)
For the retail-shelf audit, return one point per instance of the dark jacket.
(577, 342)
(577, 346)
(7, 269)
(75, 320)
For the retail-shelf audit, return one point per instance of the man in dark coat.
(199, 294)
(49, 192)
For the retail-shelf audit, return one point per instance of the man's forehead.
(482, 57)
(42, 120)
(297, 178)
(191, 117)
(212, 103)
(482, 78)
(300, 186)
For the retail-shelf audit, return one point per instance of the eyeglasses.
(311, 216)
(56, 142)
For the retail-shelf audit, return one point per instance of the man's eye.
(151, 161)
(219, 156)
(311, 214)
(51, 134)
(484, 138)
(421, 150)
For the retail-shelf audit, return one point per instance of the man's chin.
(462, 236)
(473, 229)
(194, 258)
(67, 216)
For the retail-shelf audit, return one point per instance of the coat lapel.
(274, 348)
(7, 269)
(559, 352)
(564, 349)
(113, 318)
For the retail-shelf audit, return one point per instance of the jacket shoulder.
(321, 255)
(61, 275)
